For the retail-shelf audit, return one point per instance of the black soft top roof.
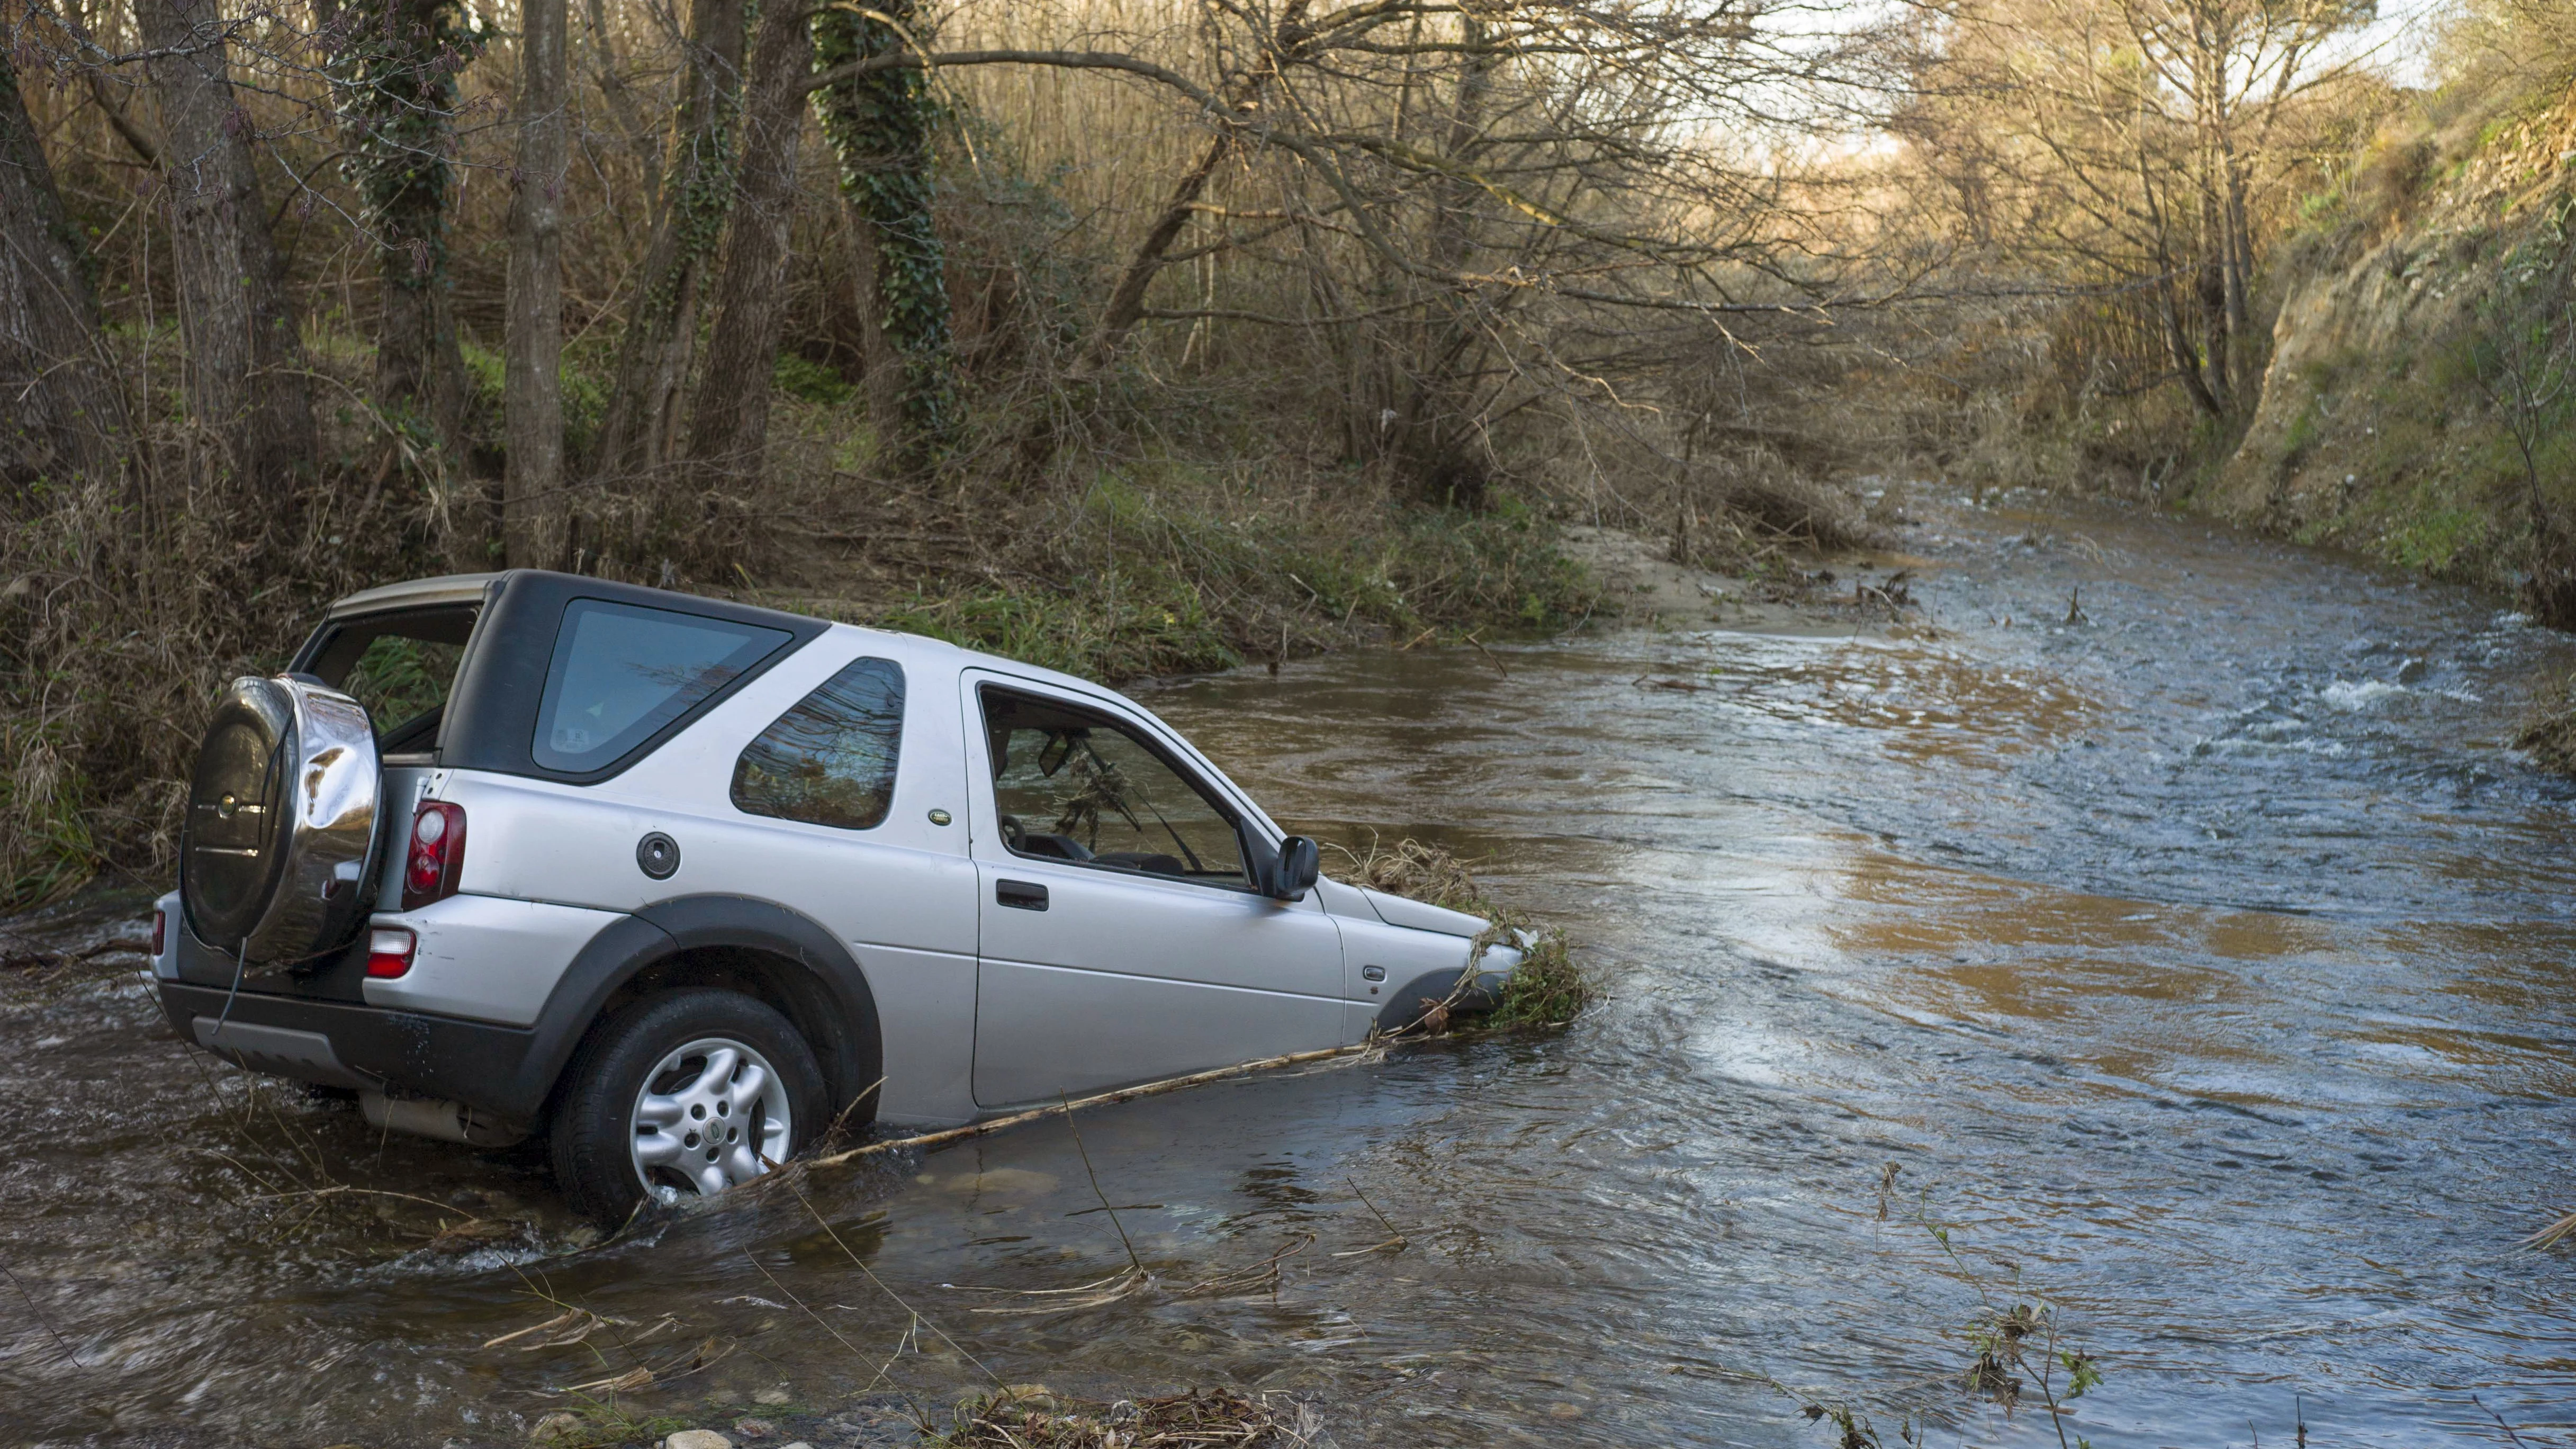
(490, 719)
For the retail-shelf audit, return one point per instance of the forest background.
(1138, 336)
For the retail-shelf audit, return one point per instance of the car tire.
(659, 1059)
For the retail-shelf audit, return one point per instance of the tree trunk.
(1437, 445)
(2160, 228)
(532, 501)
(661, 333)
(244, 369)
(2186, 362)
(2240, 259)
(729, 426)
(62, 409)
(1127, 299)
(882, 127)
(400, 120)
(880, 368)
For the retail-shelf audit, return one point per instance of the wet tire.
(652, 1074)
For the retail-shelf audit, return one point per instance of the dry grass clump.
(1547, 989)
(2549, 732)
(1421, 871)
(1028, 1417)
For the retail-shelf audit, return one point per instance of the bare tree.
(396, 63)
(2523, 358)
(662, 309)
(1580, 179)
(882, 118)
(63, 403)
(729, 425)
(532, 500)
(2150, 143)
(245, 367)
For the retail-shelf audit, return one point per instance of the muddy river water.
(2203, 966)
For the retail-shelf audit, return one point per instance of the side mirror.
(1294, 872)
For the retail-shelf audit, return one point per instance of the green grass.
(2435, 541)
(1171, 573)
(46, 847)
(806, 380)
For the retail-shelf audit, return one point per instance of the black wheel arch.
(760, 948)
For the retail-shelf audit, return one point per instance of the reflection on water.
(2203, 963)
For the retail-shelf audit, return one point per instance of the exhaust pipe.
(446, 1121)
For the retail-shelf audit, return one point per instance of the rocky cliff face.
(2423, 338)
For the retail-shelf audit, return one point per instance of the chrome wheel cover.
(711, 1114)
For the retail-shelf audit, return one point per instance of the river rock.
(697, 1439)
(754, 1428)
(554, 1428)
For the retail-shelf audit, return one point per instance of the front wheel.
(679, 1096)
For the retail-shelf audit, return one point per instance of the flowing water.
(2201, 967)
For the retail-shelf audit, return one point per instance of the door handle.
(1020, 895)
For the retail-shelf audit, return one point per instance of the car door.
(1121, 939)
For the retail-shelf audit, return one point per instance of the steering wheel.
(1014, 834)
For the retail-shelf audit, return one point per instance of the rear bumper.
(341, 1044)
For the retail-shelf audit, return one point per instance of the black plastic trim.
(835, 992)
(437, 1056)
(1410, 1004)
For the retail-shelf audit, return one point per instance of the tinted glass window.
(831, 759)
(620, 673)
(1075, 786)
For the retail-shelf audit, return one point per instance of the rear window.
(400, 666)
(621, 673)
(831, 759)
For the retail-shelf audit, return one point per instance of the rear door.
(1121, 939)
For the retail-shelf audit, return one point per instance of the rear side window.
(620, 673)
(831, 759)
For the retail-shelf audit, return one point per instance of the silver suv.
(679, 882)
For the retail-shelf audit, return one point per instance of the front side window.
(621, 672)
(831, 759)
(1073, 785)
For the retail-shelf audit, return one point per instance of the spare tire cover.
(275, 854)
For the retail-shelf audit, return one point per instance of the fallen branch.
(1103, 1099)
(2563, 1228)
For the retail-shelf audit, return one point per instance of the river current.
(2160, 914)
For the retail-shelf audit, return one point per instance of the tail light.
(389, 951)
(436, 855)
(160, 932)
